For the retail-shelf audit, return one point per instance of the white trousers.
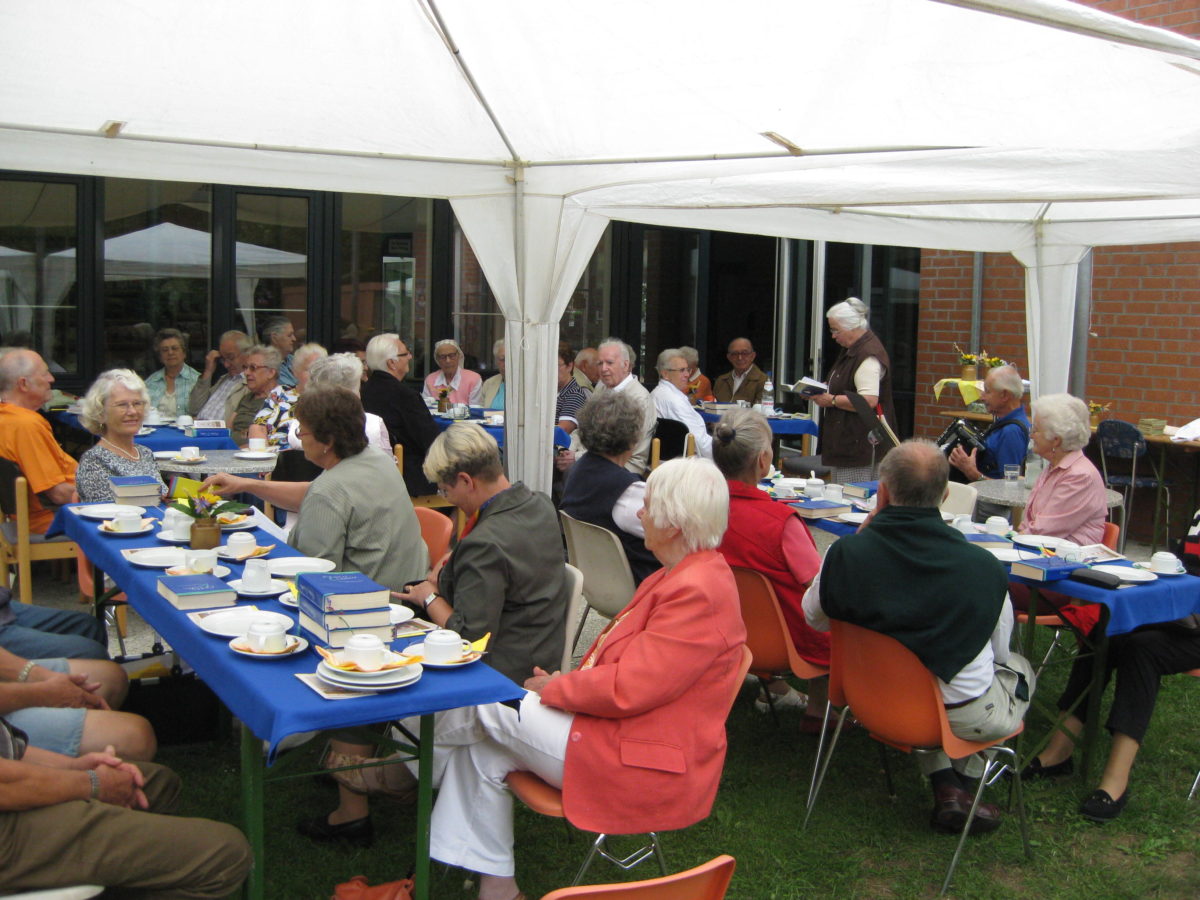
(474, 748)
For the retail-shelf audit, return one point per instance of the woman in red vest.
(769, 537)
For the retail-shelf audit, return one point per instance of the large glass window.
(157, 270)
(39, 306)
(585, 320)
(477, 320)
(385, 262)
(271, 261)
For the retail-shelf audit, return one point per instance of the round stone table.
(218, 461)
(1015, 495)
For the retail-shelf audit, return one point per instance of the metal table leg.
(252, 810)
(1091, 726)
(424, 808)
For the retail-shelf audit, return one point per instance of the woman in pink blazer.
(636, 735)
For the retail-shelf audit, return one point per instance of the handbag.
(358, 889)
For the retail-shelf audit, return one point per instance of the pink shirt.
(1067, 501)
(465, 387)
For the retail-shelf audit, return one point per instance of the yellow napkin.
(110, 525)
(346, 666)
(257, 551)
(232, 518)
(480, 645)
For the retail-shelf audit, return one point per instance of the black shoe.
(951, 806)
(1100, 807)
(1035, 769)
(359, 832)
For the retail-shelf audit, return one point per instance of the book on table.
(862, 489)
(341, 591)
(336, 638)
(367, 618)
(1045, 568)
(987, 539)
(196, 591)
(139, 490)
(820, 509)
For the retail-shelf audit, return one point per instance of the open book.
(809, 387)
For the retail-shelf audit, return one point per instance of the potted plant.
(204, 508)
(443, 399)
(1095, 410)
(969, 363)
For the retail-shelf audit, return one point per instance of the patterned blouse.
(276, 414)
(99, 464)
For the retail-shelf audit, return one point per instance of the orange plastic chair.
(708, 881)
(898, 701)
(542, 797)
(436, 529)
(767, 633)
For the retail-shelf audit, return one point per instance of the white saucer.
(147, 527)
(1127, 573)
(166, 538)
(248, 522)
(291, 566)
(1146, 568)
(145, 430)
(164, 454)
(156, 557)
(235, 621)
(276, 587)
(225, 553)
(401, 613)
(417, 649)
(219, 571)
(187, 460)
(404, 677)
(104, 511)
(254, 454)
(300, 645)
(1005, 554)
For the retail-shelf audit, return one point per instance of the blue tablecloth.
(561, 438)
(779, 427)
(164, 437)
(263, 693)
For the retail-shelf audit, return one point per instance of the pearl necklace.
(125, 453)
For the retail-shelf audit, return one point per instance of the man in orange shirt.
(26, 439)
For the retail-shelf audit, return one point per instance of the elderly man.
(275, 401)
(586, 371)
(671, 398)
(746, 381)
(903, 575)
(227, 398)
(385, 394)
(1007, 439)
(281, 334)
(66, 821)
(615, 365)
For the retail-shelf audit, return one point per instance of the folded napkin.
(241, 644)
(257, 550)
(480, 645)
(346, 666)
(232, 518)
(109, 525)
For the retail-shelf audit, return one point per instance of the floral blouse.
(99, 464)
(276, 414)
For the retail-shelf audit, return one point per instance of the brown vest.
(843, 435)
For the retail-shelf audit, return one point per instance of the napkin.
(480, 645)
(107, 525)
(256, 551)
(346, 666)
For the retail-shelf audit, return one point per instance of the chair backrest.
(767, 633)
(1120, 440)
(435, 532)
(708, 881)
(9, 473)
(597, 553)
(890, 691)
(576, 609)
(1112, 534)
(293, 465)
(398, 452)
(672, 437)
(960, 499)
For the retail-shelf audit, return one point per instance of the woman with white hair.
(863, 368)
(343, 370)
(460, 385)
(492, 393)
(302, 361)
(113, 408)
(645, 709)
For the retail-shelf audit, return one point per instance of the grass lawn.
(859, 843)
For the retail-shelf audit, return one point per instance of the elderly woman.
(113, 408)
(462, 385)
(171, 386)
(302, 361)
(671, 400)
(492, 394)
(599, 489)
(281, 334)
(356, 514)
(262, 379)
(342, 370)
(699, 388)
(503, 577)
(771, 538)
(636, 735)
(862, 367)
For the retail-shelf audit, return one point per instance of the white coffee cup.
(814, 488)
(153, 416)
(443, 646)
(964, 524)
(1162, 561)
(126, 522)
(365, 650)
(784, 491)
(189, 452)
(257, 575)
(184, 421)
(241, 542)
(201, 561)
(258, 445)
(266, 636)
(179, 527)
(996, 525)
(833, 492)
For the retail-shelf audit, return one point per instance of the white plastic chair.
(960, 500)
(597, 553)
(76, 892)
(576, 611)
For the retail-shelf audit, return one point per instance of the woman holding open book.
(113, 408)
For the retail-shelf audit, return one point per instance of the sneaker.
(793, 699)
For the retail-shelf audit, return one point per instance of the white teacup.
(443, 646)
(153, 416)
(365, 650)
(1162, 561)
(180, 527)
(266, 636)
(784, 491)
(814, 488)
(201, 561)
(241, 543)
(189, 452)
(996, 525)
(127, 522)
(964, 524)
(184, 421)
(257, 575)
(258, 445)
(833, 492)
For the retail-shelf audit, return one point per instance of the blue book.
(1045, 568)
(819, 509)
(365, 618)
(987, 539)
(141, 481)
(327, 592)
(864, 489)
(196, 591)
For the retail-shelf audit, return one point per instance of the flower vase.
(206, 534)
(1095, 419)
(970, 373)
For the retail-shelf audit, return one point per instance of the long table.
(443, 421)
(781, 427)
(163, 437)
(265, 696)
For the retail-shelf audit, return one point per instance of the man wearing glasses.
(746, 380)
(671, 400)
(408, 422)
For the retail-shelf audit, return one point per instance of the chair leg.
(821, 765)
(600, 848)
(1195, 784)
(766, 689)
(886, 762)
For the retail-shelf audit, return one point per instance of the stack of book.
(819, 509)
(137, 490)
(206, 428)
(196, 591)
(334, 606)
(864, 489)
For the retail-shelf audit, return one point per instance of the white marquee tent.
(1036, 127)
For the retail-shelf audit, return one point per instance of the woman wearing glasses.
(114, 408)
(464, 386)
(170, 386)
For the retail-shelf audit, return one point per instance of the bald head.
(25, 379)
(915, 473)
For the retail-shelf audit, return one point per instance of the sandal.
(391, 780)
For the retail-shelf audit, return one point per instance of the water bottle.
(768, 396)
